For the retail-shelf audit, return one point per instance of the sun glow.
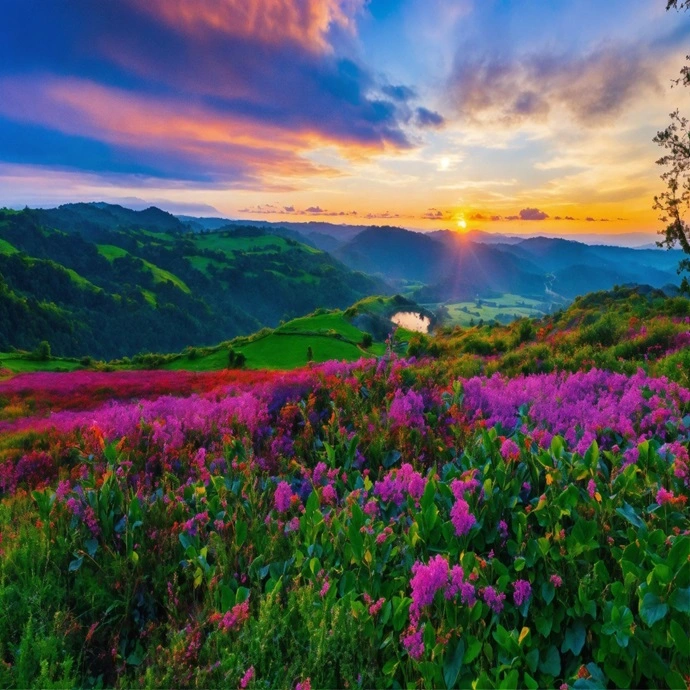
(462, 223)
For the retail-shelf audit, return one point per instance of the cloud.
(589, 219)
(533, 214)
(428, 118)
(399, 93)
(307, 22)
(227, 93)
(592, 88)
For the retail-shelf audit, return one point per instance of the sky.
(515, 116)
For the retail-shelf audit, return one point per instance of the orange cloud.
(306, 22)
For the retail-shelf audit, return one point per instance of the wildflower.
(376, 607)
(282, 497)
(324, 588)
(494, 599)
(523, 591)
(663, 497)
(247, 677)
(427, 580)
(510, 450)
(414, 644)
(503, 529)
(234, 618)
(461, 517)
(556, 580)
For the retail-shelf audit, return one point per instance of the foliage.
(382, 523)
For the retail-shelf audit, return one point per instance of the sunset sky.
(496, 115)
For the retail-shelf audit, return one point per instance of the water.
(412, 321)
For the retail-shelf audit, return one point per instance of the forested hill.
(108, 282)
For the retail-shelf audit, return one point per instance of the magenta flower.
(282, 497)
(664, 497)
(461, 517)
(414, 644)
(427, 580)
(247, 677)
(556, 580)
(510, 450)
(523, 591)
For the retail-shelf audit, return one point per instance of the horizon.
(314, 113)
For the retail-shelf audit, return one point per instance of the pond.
(412, 321)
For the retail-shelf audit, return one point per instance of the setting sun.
(462, 223)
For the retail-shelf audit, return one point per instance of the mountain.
(108, 282)
(454, 267)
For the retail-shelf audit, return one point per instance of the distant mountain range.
(102, 279)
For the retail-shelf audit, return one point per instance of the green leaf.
(356, 542)
(185, 541)
(621, 677)
(474, 649)
(551, 663)
(680, 600)
(390, 666)
(391, 457)
(452, 663)
(91, 546)
(680, 638)
(628, 512)
(652, 609)
(240, 532)
(574, 638)
(675, 680)
(548, 591)
(76, 564)
(530, 683)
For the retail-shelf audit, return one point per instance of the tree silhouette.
(674, 202)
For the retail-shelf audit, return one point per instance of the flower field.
(381, 523)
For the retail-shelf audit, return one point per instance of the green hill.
(108, 282)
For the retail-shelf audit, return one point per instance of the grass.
(505, 308)
(17, 364)
(6, 248)
(160, 275)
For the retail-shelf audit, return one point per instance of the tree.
(367, 340)
(42, 353)
(310, 354)
(674, 202)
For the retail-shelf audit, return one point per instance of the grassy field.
(505, 308)
(160, 275)
(7, 248)
(18, 364)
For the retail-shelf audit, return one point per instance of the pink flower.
(414, 644)
(663, 497)
(461, 517)
(282, 497)
(376, 607)
(591, 488)
(304, 685)
(510, 450)
(427, 580)
(247, 677)
(556, 580)
(234, 618)
(324, 588)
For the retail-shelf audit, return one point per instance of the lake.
(412, 321)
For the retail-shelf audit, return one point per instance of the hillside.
(161, 286)
(509, 493)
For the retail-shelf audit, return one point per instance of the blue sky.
(432, 113)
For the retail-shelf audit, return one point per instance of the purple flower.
(461, 517)
(510, 450)
(523, 591)
(414, 644)
(282, 497)
(494, 599)
(406, 410)
(427, 580)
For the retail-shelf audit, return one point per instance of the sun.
(462, 223)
